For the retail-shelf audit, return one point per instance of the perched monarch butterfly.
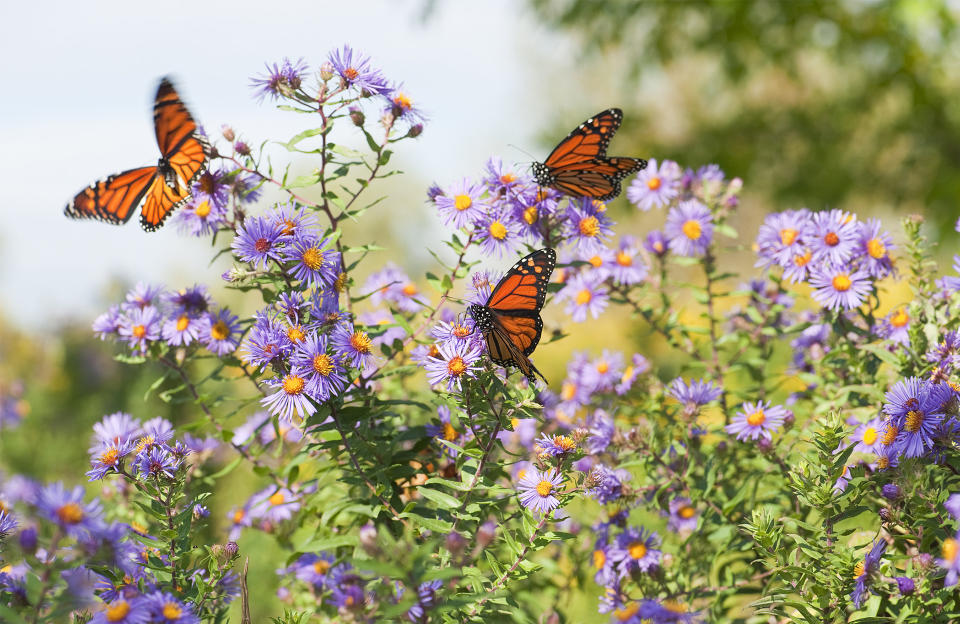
(510, 321)
(161, 188)
(579, 165)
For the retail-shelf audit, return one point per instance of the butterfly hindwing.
(115, 199)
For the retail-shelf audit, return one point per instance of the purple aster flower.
(281, 80)
(108, 324)
(7, 524)
(952, 505)
(314, 265)
(354, 346)
(142, 296)
(391, 285)
(656, 186)
(588, 224)
(602, 373)
(867, 437)
(601, 261)
(866, 570)
(500, 179)
(521, 433)
(905, 585)
(875, 246)
(123, 611)
(140, 327)
(200, 216)
(349, 595)
(156, 430)
(274, 505)
(668, 612)
(290, 402)
(498, 233)
(556, 445)
(155, 462)
(355, 71)
(265, 342)
(656, 243)
(695, 395)
(683, 516)
(453, 363)
(950, 559)
(606, 485)
(400, 105)
(460, 330)
(638, 365)
(605, 573)
(326, 377)
(635, 549)
(781, 237)
(689, 228)
(193, 301)
(114, 428)
(798, 268)
(586, 294)
(67, 509)
(891, 491)
(108, 458)
(259, 241)
(833, 237)
(213, 186)
(537, 489)
(461, 205)
(628, 267)
(164, 608)
(220, 332)
(181, 330)
(481, 285)
(840, 288)
(601, 427)
(895, 326)
(757, 420)
(293, 221)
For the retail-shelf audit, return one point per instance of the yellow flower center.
(890, 435)
(402, 100)
(624, 259)
(183, 322)
(293, 384)
(351, 73)
(803, 259)
(584, 296)
(172, 611)
(596, 261)
(674, 606)
(756, 418)
(876, 248)
(109, 457)
(462, 202)
(883, 462)
(71, 513)
(832, 239)
(341, 284)
(859, 568)
(603, 366)
(568, 391)
(456, 366)
(900, 318)
(323, 364)
(410, 289)
(139, 528)
(139, 331)
(788, 236)
(637, 550)
(658, 247)
(589, 226)
(296, 334)
(498, 230)
(321, 567)
(507, 178)
(870, 436)
(449, 433)
(276, 499)
(686, 512)
(654, 183)
(692, 229)
(626, 374)
(461, 331)
(544, 488)
(219, 331)
(599, 559)
(238, 516)
(841, 282)
(598, 205)
(564, 443)
(360, 341)
(312, 258)
(514, 423)
(202, 210)
(949, 549)
(119, 609)
(530, 214)
(144, 442)
(914, 421)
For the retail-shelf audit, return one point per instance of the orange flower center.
(530, 214)
(172, 611)
(462, 202)
(803, 259)
(219, 331)
(756, 418)
(360, 341)
(351, 73)
(624, 259)
(238, 516)
(507, 178)
(449, 433)
(323, 364)
(831, 238)
(841, 282)
(686, 512)
(949, 549)
(109, 457)
(139, 331)
(544, 488)
(599, 559)
(589, 226)
(914, 421)
(788, 236)
(692, 229)
(603, 366)
(890, 435)
(183, 322)
(654, 183)
(637, 550)
(321, 567)
(410, 289)
(276, 499)
(293, 384)
(202, 210)
(117, 611)
(876, 248)
(870, 436)
(402, 100)
(584, 296)
(71, 513)
(296, 334)
(312, 258)
(596, 261)
(900, 318)
(498, 230)
(456, 366)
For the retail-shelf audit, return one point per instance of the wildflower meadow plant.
(789, 454)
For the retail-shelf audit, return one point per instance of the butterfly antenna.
(520, 149)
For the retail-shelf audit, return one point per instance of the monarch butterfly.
(161, 188)
(579, 165)
(510, 321)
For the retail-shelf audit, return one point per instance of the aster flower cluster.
(336, 584)
(153, 316)
(920, 421)
(216, 194)
(840, 257)
(122, 445)
(13, 407)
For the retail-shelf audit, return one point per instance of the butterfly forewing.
(115, 199)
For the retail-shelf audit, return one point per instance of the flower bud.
(788, 420)
(28, 540)
(228, 133)
(906, 585)
(764, 445)
(357, 116)
(891, 491)
(885, 514)
(368, 539)
(415, 131)
(455, 543)
(241, 148)
(326, 71)
(486, 534)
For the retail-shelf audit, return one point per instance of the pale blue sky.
(78, 79)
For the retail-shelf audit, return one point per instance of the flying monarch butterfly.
(510, 321)
(162, 188)
(579, 165)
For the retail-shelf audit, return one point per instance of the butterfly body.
(579, 165)
(510, 320)
(159, 189)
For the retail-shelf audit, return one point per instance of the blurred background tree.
(821, 103)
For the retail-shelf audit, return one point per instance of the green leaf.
(440, 498)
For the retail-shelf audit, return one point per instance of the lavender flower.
(455, 362)
(355, 71)
(689, 228)
(840, 288)
(656, 186)
(259, 241)
(757, 420)
(537, 490)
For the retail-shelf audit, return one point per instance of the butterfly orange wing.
(587, 141)
(177, 134)
(115, 199)
(161, 201)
